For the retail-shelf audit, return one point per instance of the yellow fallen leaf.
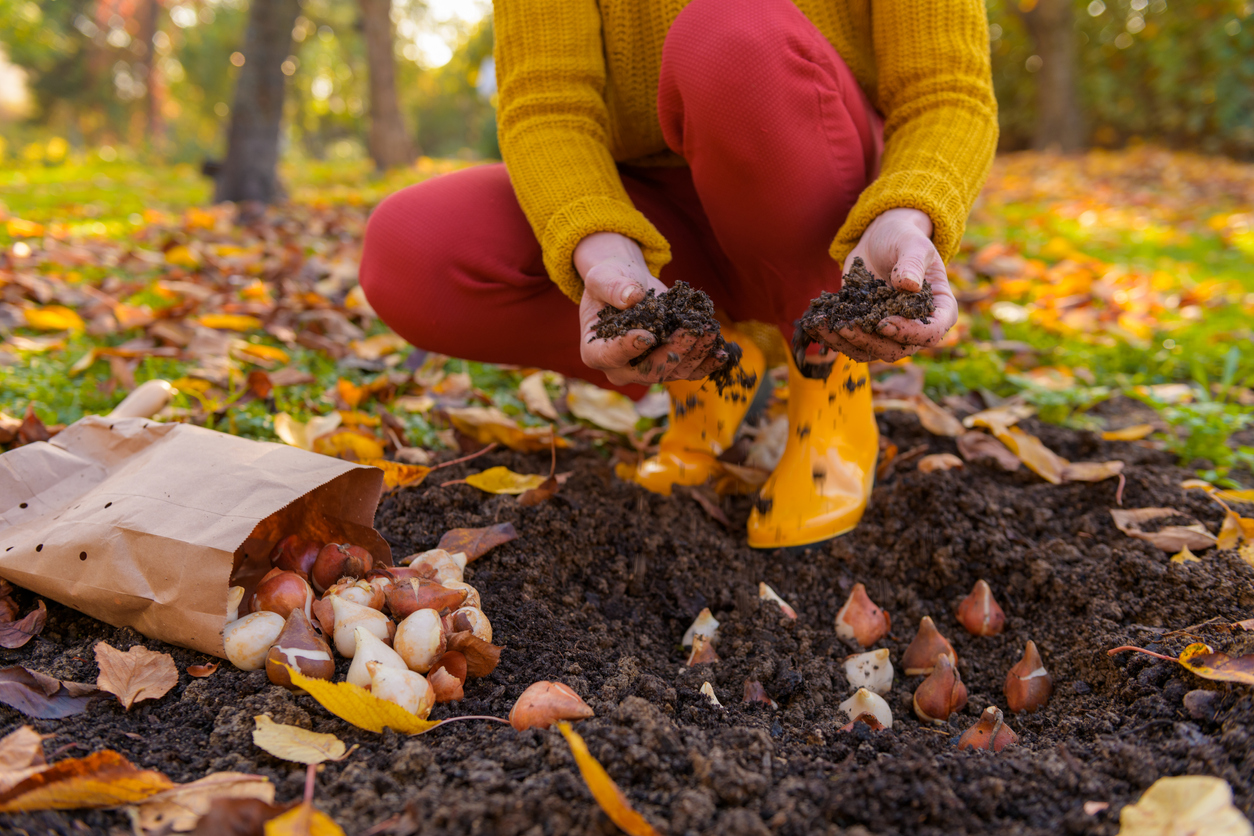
(602, 786)
(301, 434)
(1133, 433)
(34, 344)
(1185, 556)
(380, 345)
(267, 356)
(1229, 532)
(1236, 496)
(357, 418)
(1185, 804)
(486, 424)
(536, 397)
(935, 418)
(999, 419)
(1246, 552)
(503, 480)
(84, 363)
(230, 322)
(398, 475)
(20, 228)
(1197, 484)
(414, 403)
(53, 318)
(1091, 471)
(939, 461)
(102, 779)
(178, 809)
(303, 820)
(1208, 664)
(358, 706)
(1170, 538)
(180, 255)
(607, 409)
(353, 445)
(351, 393)
(292, 743)
(1031, 451)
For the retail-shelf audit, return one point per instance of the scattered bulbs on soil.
(868, 702)
(1028, 685)
(861, 620)
(872, 670)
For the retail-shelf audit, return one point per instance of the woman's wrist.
(606, 246)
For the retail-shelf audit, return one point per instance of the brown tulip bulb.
(298, 646)
(989, 732)
(941, 694)
(281, 592)
(544, 703)
(928, 646)
(1028, 685)
(861, 620)
(469, 619)
(869, 720)
(407, 596)
(339, 560)
(702, 651)
(295, 554)
(979, 613)
(754, 692)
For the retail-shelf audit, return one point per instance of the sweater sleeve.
(553, 125)
(940, 132)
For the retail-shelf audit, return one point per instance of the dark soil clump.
(683, 307)
(864, 301)
(598, 589)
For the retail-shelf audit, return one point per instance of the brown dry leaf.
(303, 821)
(486, 424)
(1171, 538)
(540, 493)
(1001, 418)
(180, 808)
(1185, 804)
(398, 475)
(939, 461)
(15, 634)
(378, 346)
(136, 675)
(292, 743)
(32, 429)
(21, 756)
(609, 410)
(1041, 460)
(260, 384)
(40, 696)
(710, 507)
(975, 445)
(476, 542)
(238, 817)
(536, 397)
(481, 657)
(1133, 433)
(201, 671)
(1091, 471)
(102, 779)
(905, 384)
(935, 418)
(603, 789)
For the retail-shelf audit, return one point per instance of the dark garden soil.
(864, 301)
(603, 580)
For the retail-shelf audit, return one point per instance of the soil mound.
(864, 301)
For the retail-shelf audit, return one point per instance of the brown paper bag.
(143, 524)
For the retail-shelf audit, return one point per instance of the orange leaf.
(1031, 451)
(1133, 433)
(138, 674)
(53, 318)
(935, 418)
(1229, 532)
(353, 445)
(476, 542)
(603, 788)
(351, 393)
(1091, 471)
(303, 821)
(230, 322)
(102, 779)
(1210, 664)
(397, 475)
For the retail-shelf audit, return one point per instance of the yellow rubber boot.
(821, 485)
(703, 424)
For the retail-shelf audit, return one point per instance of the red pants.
(779, 140)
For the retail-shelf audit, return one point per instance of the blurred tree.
(389, 142)
(1051, 23)
(455, 104)
(249, 172)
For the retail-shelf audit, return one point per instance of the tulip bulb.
(754, 692)
(359, 592)
(941, 694)
(248, 639)
(868, 702)
(234, 597)
(702, 652)
(868, 720)
(989, 732)
(299, 647)
(413, 594)
(421, 640)
(544, 703)
(705, 625)
(980, 613)
(281, 592)
(708, 690)
(871, 670)
(402, 686)
(765, 593)
(469, 619)
(339, 560)
(370, 649)
(350, 616)
(448, 676)
(472, 595)
(439, 565)
(1028, 685)
(861, 620)
(928, 646)
(295, 554)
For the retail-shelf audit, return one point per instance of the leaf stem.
(310, 774)
(1141, 650)
(474, 455)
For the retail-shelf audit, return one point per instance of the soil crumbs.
(864, 301)
(605, 578)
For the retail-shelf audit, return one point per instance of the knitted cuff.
(926, 191)
(579, 219)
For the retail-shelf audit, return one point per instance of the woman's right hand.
(614, 274)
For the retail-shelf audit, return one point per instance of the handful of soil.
(682, 307)
(865, 301)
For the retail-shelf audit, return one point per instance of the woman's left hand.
(897, 246)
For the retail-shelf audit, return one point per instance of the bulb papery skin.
(927, 646)
(441, 565)
(299, 647)
(941, 694)
(234, 597)
(872, 670)
(765, 593)
(359, 592)
(979, 613)
(371, 649)
(469, 618)
(705, 625)
(247, 640)
(1028, 685)
(544, 703)
(989, 732)
(708, 690)
(402, 686)
(421, 640)
(861, 620)
(472, 595)
(350, 616)
(868, 702)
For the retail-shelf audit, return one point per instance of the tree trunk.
(1051, 23)
(250, 171)
(149, 21)
(389, 143)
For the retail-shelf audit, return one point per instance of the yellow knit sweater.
(578, 92)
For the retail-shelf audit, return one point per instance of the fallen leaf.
(481, 657)
(201, 671)
(1185, 805)
(710, 507)
(602, 786)
(476, 542)
(15, 634)
(486, 424)
(136, 675)
(1185, 556)
(540, 493)
(40, 696)
(1229, 532)
(260, 384)
(1236, 496)
(975, 445)
(609, 410)
(935, 418)
(536, 397)
(32, 429)
(1171, 538)
(350, 444)
(503, 480)
(181, 807)
(292, 743)
(939, 461)
(238, 817)
(378, 346)
(398, 475)
(1133, 433)
(1209, 664)
(351, 393)
(53, 318)
(21, 756)
(1246, 552)
(102, 779)
(258, 354)
(230, 322)
(302, 434)
(1091, 471)
(1001, 418)
(1041, 460)
(414, 403)
(358, 706)
(303, 821)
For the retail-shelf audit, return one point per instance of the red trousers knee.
(779, 141)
